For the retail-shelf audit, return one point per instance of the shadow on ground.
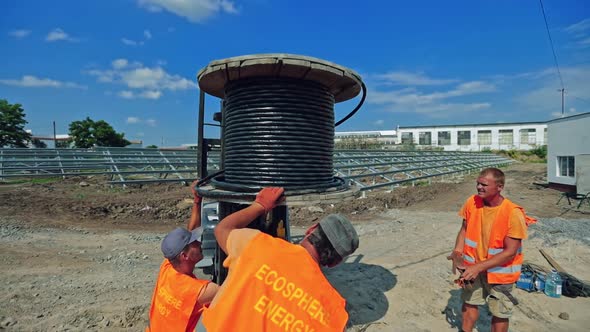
(363, 286)
(453, 313)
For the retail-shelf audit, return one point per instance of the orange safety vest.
(276, 286)
(174, 301)
(508, 272)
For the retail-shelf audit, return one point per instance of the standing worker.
(274, 285)
(488, 251)
(179, 297)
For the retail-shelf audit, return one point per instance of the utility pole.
(562, 101)
(54, 137)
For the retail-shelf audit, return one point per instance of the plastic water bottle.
(553, 284)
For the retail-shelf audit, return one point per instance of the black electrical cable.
(364, 88)
(278, 132)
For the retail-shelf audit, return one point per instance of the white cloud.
(378, 123)
(430, 103)
(21, 33)
(30, 81)
(58, 34)
(413, 79)
(579, 27)
(147, 35)
(136, 120)
(126, 94)
(546, 97)
(130, 42)
(155, 78)
(193, 10)
(119, 63)
(151, 94)
(566, 113)
(150, 81)
(412, 96)
(580, 32)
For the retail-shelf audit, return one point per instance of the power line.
(582, 99)
(551, 42)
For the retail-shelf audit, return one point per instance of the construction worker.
(274, 285)
(179, 296)
(488, 251)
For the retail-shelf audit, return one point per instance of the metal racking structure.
(122, 165)
(367, 169)
(372, 169)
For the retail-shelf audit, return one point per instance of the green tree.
(88, 133)
(39, 143)
(12, 125)
(151, 147)
(63, 144)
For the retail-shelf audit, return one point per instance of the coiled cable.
(278, 132)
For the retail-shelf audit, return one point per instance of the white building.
(476, 137)
(380, 136)
(568, 153)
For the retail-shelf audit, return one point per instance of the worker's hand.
(471, 272)
(197, 198)
(268, 197)
(457, 257)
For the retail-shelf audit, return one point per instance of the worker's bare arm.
(457, 254)
(266, 200)
(195, 220)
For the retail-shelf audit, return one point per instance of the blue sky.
(133, 63)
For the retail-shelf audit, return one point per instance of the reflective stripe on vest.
(174, 299)
(276, 286)
(471, 243)
(499, 250)
(469, 259)
(505, 270)
(510, 271)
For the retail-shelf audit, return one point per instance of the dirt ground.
(78, 255)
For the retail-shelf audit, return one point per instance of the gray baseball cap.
(341, 234)
(179, 238)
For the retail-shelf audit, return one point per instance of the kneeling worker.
(273, 285)
(179, 297)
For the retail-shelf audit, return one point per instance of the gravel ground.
(86, 258)
(552, 231)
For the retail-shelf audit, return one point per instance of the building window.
(506, 136)
(484, 137)
(566, 166)
(444, 138)
(407, 138)
(464, 137)
(528, 136)
(425, 138)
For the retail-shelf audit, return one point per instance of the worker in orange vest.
(179, 296)
(274, 285)
(488, 251)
